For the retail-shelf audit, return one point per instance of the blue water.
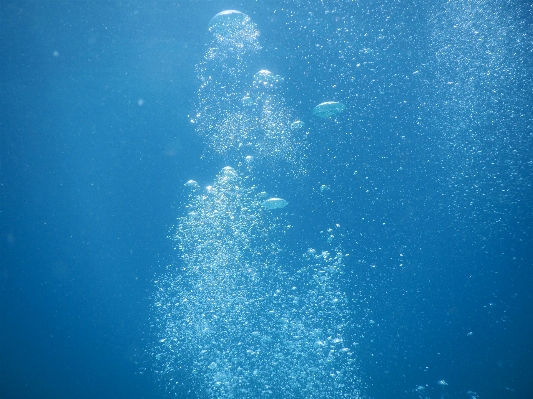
(430, 170)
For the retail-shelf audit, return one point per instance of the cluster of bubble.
(479, 105)
(250, 327)
(233, 319)
(240, 113)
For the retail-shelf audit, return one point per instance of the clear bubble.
(328, 109)
(298, 124)
(192, 184)
(226, 23)
(274, 203)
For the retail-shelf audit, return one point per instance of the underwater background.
(420, 189)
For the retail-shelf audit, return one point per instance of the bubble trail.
(252, 327)
(241, 315)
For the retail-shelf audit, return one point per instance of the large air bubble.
(328, 109)
(275, 203)
(227, 23)
(234, 28)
